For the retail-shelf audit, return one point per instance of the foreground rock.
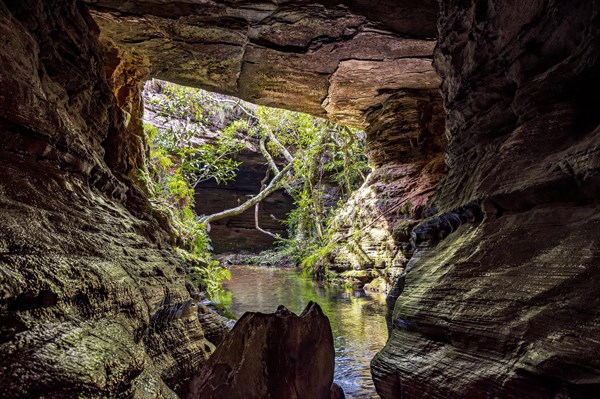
(278, 356)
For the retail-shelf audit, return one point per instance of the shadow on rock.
(279, 356)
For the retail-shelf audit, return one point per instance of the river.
(357, 320)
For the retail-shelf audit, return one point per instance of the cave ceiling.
(339, 61)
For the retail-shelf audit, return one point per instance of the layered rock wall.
(405, 140)
(323, 58)
(500, 299)
(92, 302)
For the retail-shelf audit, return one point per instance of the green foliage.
(179, 160)
(188, 148)
(189, 116)
(329, 164)
(207, 274)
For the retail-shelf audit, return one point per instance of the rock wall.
(324, 58)
(92, 302)
(500, 299)
(404, 146)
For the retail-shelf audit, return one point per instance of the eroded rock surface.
(92, 302)
(504, 305)
(279, 356)
(404, 145)
(328, 59)
(507, 306)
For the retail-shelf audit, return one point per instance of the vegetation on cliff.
(194, 136)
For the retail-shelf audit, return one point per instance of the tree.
(316, 161)
(314, 157)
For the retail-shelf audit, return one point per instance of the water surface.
(357, 320)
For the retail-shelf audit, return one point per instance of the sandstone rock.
(93, 304)
(404, 144)
(214, 326)
(508, 306)
(337, 392)
(92, 301)
(238, 234)
(279, 356)
(330, 59)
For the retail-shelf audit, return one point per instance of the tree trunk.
(274, 185)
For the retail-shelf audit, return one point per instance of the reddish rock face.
(279, 356)
(507, 305)
(405, 144)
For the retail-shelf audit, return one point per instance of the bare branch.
(257, 210)
(274, 185)
(268, 156)
(286, 154)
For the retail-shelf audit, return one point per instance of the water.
(357, 321)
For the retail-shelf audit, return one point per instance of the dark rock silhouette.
(278, 356)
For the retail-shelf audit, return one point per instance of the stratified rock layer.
(328, 59)
(92, 302)
(372, 231)
(507, 306)
(279, 356)
(499, 298)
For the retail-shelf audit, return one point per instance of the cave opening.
(227, 151)
(261, 177)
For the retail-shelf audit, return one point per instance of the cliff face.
(404, 146)
(89, 293)
(506, 305)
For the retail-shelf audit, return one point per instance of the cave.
(484, 143)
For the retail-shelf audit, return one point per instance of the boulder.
(278, 356)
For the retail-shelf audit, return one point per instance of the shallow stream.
(357, 320)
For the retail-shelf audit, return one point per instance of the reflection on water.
(357, 321)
